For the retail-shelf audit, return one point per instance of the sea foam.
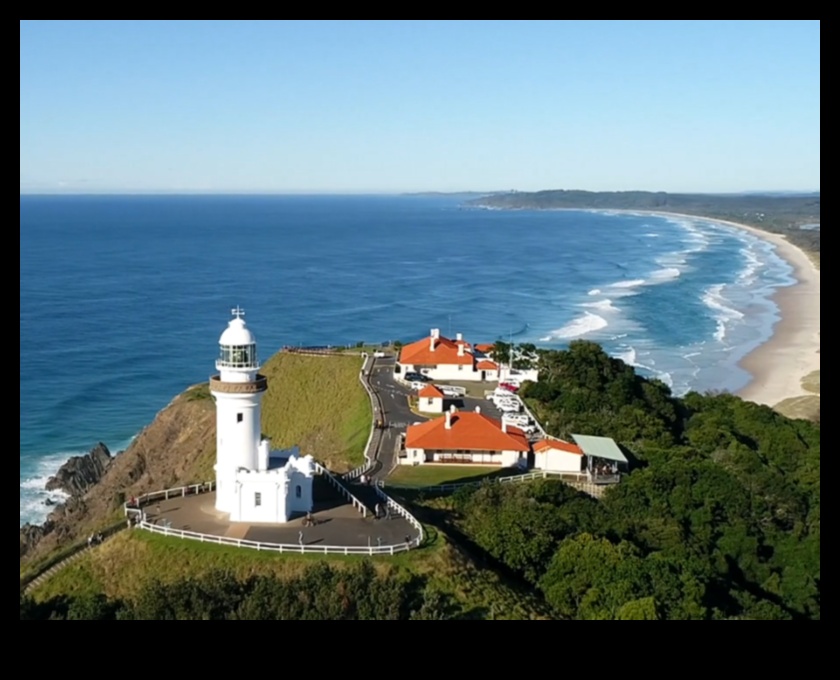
(713, 298)
(582, 325)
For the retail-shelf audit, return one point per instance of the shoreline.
(792, 352)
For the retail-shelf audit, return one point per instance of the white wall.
(431, 404)
(444, 372)
(558, 461)
(301, 473)
(413, 457)
(238, 436)
(278, 489)
(502, 458)
(271, 486)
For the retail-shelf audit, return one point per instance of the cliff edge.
(179, 444)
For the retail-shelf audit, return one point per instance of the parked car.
(417, 376)
(417, 384)
(379, 354)
(510, 387)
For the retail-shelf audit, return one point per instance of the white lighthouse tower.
(253, 483)
(238, 390)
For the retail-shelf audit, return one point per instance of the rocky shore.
(178, 446)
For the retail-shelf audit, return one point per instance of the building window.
(429, 401)
(239, 417)
(257, 499)
(460, 367)
(298, 491)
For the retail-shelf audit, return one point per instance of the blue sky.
(334, 106)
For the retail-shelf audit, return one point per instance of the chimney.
(448, 420)
(504, 426)
(461, 349)
(436, 333)
(432, 343)
(459, 337)
(478, 409)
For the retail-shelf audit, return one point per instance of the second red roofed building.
(466, 437)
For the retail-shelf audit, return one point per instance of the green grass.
(122, 566)
(432, 475)
(317, 402)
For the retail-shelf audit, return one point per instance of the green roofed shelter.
(602, 458)
(599, 447)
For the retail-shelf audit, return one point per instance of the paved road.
(398, 416)
(338, 523)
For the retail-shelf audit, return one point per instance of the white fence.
(285, 547)
(579, 480)
(361, 507)
(400, 510)
(368, 464)
(135, 510)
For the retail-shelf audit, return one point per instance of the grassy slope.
(121, 566)
(316, 402)
(432, 475)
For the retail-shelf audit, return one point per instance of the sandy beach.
(793, 351)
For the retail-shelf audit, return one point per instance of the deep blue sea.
(122, 299)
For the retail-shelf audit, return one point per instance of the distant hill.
(777, 212)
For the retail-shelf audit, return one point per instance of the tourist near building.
(465, 437)
(253, 483)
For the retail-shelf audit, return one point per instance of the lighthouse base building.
(253, 483)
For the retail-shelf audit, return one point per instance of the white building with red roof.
(430, 399)
(466, 437)
(556, 455)
(441, 358)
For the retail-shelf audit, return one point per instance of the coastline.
(779, 365)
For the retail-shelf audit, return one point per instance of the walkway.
(336, 523)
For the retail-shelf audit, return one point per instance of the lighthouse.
(253, 483)
(238, 390)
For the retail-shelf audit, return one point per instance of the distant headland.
(788, 214)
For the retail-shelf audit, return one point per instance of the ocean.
(123, 298)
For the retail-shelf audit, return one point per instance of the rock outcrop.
(178, 446)
(80, 473)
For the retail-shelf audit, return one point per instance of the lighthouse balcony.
(259, 384)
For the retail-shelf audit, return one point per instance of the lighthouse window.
(298, 491)
(239, 417)
(238, 356)
(257, 499)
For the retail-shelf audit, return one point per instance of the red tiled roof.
(487, 365)
(558, 445)
(469, 432)
(430, 391)
(419, 353)
(485, 347)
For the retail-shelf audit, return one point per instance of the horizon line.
(157, 192)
